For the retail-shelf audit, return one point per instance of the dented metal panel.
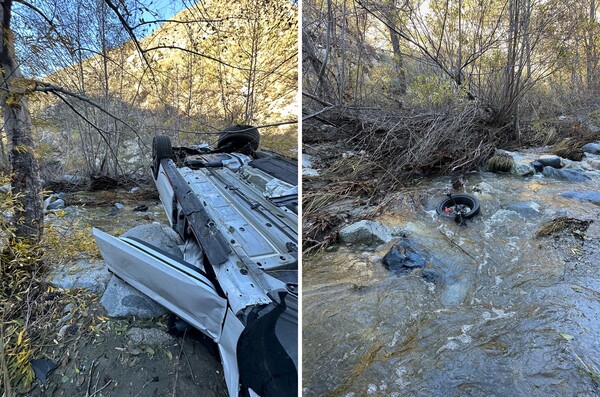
(170, 282)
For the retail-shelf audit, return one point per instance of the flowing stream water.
(515, 315)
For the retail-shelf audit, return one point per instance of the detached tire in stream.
(458, 204)
(239, 138)
(161, 149)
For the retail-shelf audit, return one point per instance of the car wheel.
(161, 149)
(239, 138)
(458, 204)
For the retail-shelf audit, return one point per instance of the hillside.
(211, 65)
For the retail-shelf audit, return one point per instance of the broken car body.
(236, 210)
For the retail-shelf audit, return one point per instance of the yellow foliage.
(69, 244)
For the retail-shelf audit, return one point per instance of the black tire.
(469, 206)
(240, 139)
(161, 149)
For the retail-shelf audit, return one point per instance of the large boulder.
(160, 236)
(572, 175)
(593, 148)
(550, 160)
(592, 197)
(92, 276)
(365, 232)
(122, 300)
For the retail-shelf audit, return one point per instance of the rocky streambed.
(488, 309)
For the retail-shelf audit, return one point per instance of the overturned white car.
(236, 210)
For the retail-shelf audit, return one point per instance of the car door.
(176, 285)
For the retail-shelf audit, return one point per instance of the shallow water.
(492, 327)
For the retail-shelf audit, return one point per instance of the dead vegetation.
(569, 148)
(500, 163)
(564, 225)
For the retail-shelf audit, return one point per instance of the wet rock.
(537, 166)
(365, 232)
(405, 256)
(122, 300)
(523, 169)
(593, 197)
(593, 148)
(526, 209)
(158, 235)
(149, 336)
(91, 276)
(573, 175)
(431, 275)
(55, 205)
(550, 160)
(141, 208)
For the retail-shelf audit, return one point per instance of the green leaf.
(567, 336)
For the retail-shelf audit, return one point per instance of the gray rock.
(593, 148)
(526, 209)
(119, 206)
(572, 175)
(523, 169)
(365, 232)
(593, 197)
(550, 160)
(158, 235)
(122, 300)
(149, 336)
(405, 255)
(539, 167)
(91, 276)
(5, 188)
(57, 204)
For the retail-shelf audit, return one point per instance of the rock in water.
(523, 169)
(592, 197)
(365, 232)
(405, 256)
(593, 148)
(550, 160)
(573, 175)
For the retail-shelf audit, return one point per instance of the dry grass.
(564, 225)
(569, 148)
(500, 163)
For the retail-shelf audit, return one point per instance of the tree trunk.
(25, 178)
(399, 83)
